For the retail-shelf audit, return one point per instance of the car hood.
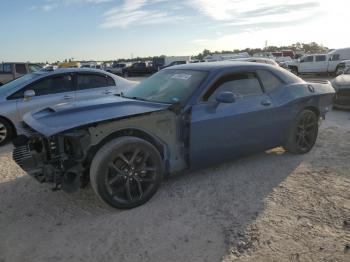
(63, 117)
(342, 80)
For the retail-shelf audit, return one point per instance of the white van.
(336, 57)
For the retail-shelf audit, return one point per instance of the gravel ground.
(271, 206)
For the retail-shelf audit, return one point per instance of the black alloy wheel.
(6, 131)
(304, 134)
(126, 172)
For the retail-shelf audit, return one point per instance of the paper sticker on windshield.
(181, 76)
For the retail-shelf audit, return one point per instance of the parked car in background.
(225, 56)
(257, 60)
(11, 71)
(175, 63)
(284, 53)
(116, 68)
(70, 64)
(139, 69)
(343, 67)
(49, 67)
(90, 64)
(165, 61)
(182, 118)
(282, 60)
(330, 63)
(47, 88)
(341, 85)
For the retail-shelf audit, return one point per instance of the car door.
(93, 85)
(221, 131)
(321, 64)
(307, 64)
(280, 113)
(49, 91)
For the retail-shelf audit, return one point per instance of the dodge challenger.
(182, 118)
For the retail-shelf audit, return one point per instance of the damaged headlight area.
(56, 160)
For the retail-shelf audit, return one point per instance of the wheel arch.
(133, 132)
(313, 109)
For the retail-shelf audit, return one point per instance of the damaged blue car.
(182, 118)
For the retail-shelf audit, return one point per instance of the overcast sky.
(40, 30)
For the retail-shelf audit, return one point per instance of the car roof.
(248, 59)
(25, 63)
(71, 70)
(214, 66)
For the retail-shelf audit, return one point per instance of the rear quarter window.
(287, 76)
(91, 81)
(269, 81)
(110, 81)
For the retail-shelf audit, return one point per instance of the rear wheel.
(303, 134)
(126, 172)
(6, 131)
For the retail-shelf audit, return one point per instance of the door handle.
(108, 92)
(266, 102)
(67, 97)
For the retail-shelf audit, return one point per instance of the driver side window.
(49, 85)
(243, 85)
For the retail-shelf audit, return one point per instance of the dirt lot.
(271, 206)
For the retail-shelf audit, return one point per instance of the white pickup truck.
(331, 63)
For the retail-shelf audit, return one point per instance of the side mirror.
(226, 97)
(28, 94)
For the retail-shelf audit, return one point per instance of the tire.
(294, 70)
(6, 131)
(337, 72)
(126, 172)
(303, 134)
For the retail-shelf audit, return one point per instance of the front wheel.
(294, 70)
(6, 131)
(303, 134)
(126, 172)
(338, 71)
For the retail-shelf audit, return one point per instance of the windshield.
(5, 89)
(168, 86)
